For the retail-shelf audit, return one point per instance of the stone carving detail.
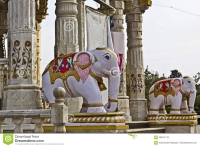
(16, 60)
(27, 60)
(136, 56)
(118, 18)
(121, 86)
(134, 17)
(21, 58)
(66, 8)
(117, 4)
(130, 7)
(128, 84)
(5, 35)
(136, 83)
(41, 9)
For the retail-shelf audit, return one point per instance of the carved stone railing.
(58, 115)
(37, 117)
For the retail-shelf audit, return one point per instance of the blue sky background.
(171, 36)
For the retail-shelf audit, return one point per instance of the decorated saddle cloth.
(63, 66)
(163, 87)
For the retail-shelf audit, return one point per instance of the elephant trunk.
(113, 88)
(113, 82)
(192, 98)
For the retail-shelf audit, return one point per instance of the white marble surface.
(198, 129)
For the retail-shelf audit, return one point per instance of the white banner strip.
(92, 140)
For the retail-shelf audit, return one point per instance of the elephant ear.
(176, 82)
(83, 62)
(176, 85)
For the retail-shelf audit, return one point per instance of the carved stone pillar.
(67, 38)
(118, 20)
(22, 91)
(41, 12)
(3, 24)
(66, 24)
(81, 24)
(135, 69)
(3, 63)
(38, 52)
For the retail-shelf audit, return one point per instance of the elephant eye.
(107, 56)
(189, 82)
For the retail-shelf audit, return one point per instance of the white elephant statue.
(174, 92)
(81, 75)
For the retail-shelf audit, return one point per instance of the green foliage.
(197, 104)
(175, 74)
(197, 101)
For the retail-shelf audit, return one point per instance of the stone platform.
(175, 123)
(103, 122)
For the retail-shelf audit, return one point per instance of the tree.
(175, 74)
(197, 101)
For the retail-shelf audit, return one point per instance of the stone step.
(146, 130)
(138, 124)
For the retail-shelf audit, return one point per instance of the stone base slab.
(74, 104)
(138, 109)
(175, 123)
(22, 99)
(123, 105)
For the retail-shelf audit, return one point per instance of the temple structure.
(22, 89)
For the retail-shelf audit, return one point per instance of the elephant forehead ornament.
(81, 75)
(174, 92)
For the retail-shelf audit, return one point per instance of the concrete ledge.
(138, 124)
(146, 130)
(87, 128)
(178, 128)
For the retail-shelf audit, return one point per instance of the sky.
(171, 36)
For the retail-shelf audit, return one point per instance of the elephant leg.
(192, 99)
(162, 110)
(176, 104)
(90, 91)
(155, 103)
(48, 88)
(184, 107)
(84, 109)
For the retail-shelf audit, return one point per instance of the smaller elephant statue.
(81, 75)
(174, 92)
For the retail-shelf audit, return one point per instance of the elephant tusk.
(115, 72)
(106, 72)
